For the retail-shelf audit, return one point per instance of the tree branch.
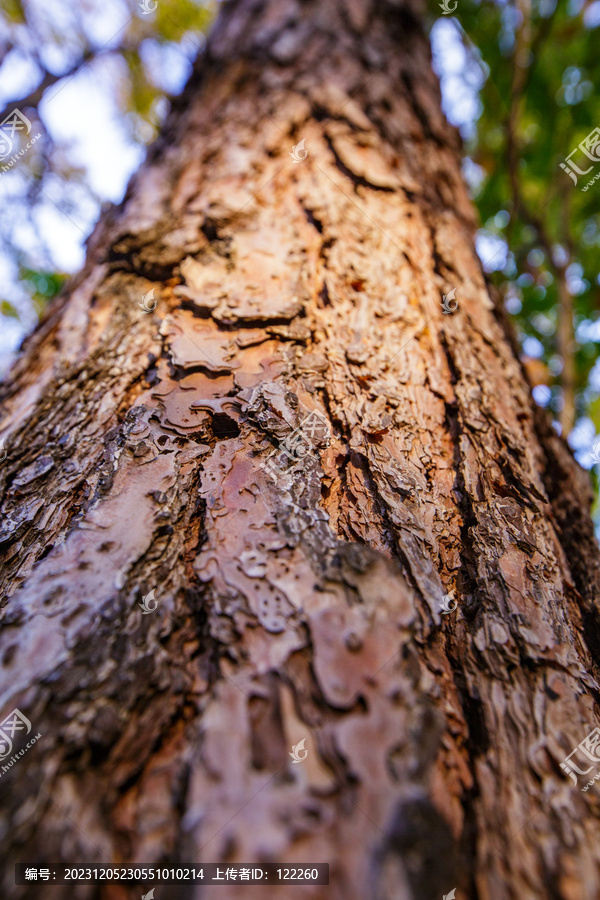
(32, 100)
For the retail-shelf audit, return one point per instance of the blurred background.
(95, 77)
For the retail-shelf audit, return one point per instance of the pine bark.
(302, 602)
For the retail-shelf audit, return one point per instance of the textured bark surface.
(305, 605)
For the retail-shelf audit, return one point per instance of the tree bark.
(298, 593)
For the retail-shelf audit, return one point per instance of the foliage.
(139, 54)
(42, 286)
(539, 62)
(530, 65)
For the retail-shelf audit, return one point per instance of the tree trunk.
(301, 454)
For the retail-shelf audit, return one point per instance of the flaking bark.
(305, 605)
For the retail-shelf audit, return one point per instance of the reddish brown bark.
(305, 605)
